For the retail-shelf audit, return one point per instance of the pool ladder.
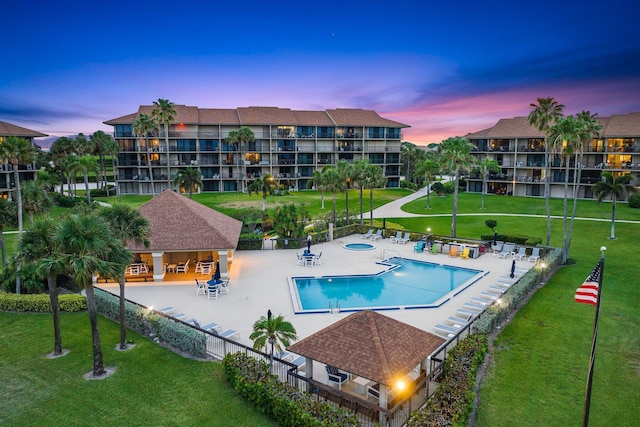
(331, 309)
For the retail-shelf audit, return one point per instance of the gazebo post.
(223, 257)
(158, 268)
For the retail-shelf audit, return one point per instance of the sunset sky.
(445, 70)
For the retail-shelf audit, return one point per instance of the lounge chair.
(193, 322)
(211, 327)
(453, 251)
(535, 255)
(367, 234)
(447, 328)
(497, 248)
(405, 238)
(226, 334)
(435, 248)
(397, 237)
(336, 376)
(167, 310)
(506, 250)
(497, 290)
(465, 253)
(522, 252)
(376, 236)
(488, 296)
(463, 312)
(457, 322)
(419, 247)
(300, 362)
(480, 301)
(200, 288)
(471, 306)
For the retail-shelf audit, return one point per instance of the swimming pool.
(359, 246)
(402, 284)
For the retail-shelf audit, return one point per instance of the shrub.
(438, 188)
(518, 239)
(452, 402)
(66, 201)
(449, 187)
(285, 404)
(250, 241)
(491, 223)
(41, 303)
(102, 192)
(634, 201)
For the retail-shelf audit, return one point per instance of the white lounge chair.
(167, 310)
(506, 250)
(397, 237)
(535, 255)
(376, 236)
(211, 327)
(456, 321)
(522, 252)
(227, 334)
(367, 234)
(405, 238)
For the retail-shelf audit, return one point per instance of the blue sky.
(445, 70)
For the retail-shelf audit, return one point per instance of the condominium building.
(519, 149)
(289, 145)
(25, 172)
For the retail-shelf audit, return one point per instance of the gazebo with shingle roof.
(180, 225)
(370, 345)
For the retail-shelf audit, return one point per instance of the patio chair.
(435, 248)
(301, 259)
(376, 236)
(397, 237)
(456, 320)
(211, 327)
(405, 238)
(206, 268)
(465, 253)
(367, 234)
(374, 391)
(213, 291)
(317, 260)
(200, 288)
(223, 286)
(453, 251)
(535, 255)
(506, 250)
(419, 247)
(497, 248)
(336, 376)
(522, 252)
(184, 267)
(300, 362)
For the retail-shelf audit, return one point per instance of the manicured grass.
(151, 385)
(539, 368)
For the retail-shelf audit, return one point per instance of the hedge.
(518, 239)
(40, 303)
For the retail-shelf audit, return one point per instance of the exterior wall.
(287, 152)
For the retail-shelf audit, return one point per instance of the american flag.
(588, 292)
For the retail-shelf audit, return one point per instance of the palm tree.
(164, 113)
(142, 126)
(264, 185)
(85, 164)
(617, 188)
(544, 114)
(317, 182)
(111, 149)
(60, 151)
(35, 199)
(565, 140)
(8, 215)
(100, 141)
(273, 332)
(360, 172)
(189, 179)
(242, 137)
(127, 224)
(485, 166)
(17, 151)
(456, 157)
(428, 168)
(333, 183)
(373, 178)
(37, 247)
(346, 172)
(85, 246)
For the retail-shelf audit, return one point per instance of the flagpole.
(587, 400)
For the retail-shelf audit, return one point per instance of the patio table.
(361, 384)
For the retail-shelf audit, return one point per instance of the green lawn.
(151, 385)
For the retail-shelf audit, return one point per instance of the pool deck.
(259, 282)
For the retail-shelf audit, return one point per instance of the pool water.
(403, 283)
(359, 246)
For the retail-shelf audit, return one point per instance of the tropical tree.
(129, 226)
(17, 151)
(347, 173)
(456, 157)
(317, 181)
(373, 178)
(241, 138)
(189, 179)
(85, 164)
(111, 149)
(289, 220)
(428, 169)
(142, 126)
(84, 244)
(34, 199)
(8, 215)
(60, 151)
(485, 166)
(100, 142)
(332, 182)
(164, 113)
(265, 185)
(412, 156)
(617, 188)
(36, 247)
(272, 333)
(360, 175)
(544, 114)
(47, 179)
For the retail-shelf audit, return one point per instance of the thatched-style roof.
(180, 224)
(370, 345)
